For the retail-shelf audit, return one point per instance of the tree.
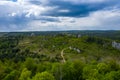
(57, 70)
(43, 76)
(68, 71)
(103, 68)
(25, 74)
(78, 66)
(113, 75)
(30, 64)
(12, 76)
(91, 73)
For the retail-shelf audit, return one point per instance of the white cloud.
(98, 20)
(64, 10)
(22, 7)
(12, 14)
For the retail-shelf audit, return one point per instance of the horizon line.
(53, 31)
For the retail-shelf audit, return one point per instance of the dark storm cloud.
(48, 19)
(35, 2)
(78, 10)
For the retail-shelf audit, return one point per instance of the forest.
(67, 55)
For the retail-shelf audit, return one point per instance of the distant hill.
(112, 34)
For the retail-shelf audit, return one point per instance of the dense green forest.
(73, 55)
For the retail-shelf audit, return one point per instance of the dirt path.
(62, 55)
(24, 43)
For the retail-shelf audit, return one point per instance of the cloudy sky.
(57, 15)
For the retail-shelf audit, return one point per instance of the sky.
(59, 15)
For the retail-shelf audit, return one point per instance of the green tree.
(103, 68)
(12, 76)
(91, 73)
(113, 75)
(57, 70)
(30, 64)
(43, 76)
(25, 74)
(78, 66)
(68, 71)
